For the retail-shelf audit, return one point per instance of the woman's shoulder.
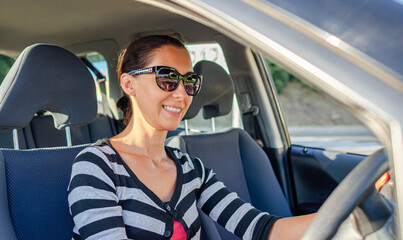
(101, 149)
(184, 158)
(100, 157)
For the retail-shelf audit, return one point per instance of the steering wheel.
(356, 189)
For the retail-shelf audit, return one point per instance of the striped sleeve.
(231, 212)
(92, 198)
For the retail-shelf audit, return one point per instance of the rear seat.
(6, 139)
(45, 135)
(41, 133)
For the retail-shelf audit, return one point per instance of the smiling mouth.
(173, 109)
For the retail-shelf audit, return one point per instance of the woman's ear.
(127, 84)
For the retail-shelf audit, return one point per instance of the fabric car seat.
(238, 161)
(33, 183)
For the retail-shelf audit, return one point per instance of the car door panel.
(315, 173)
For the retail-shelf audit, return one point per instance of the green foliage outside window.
(281, 78)
(95, 58)
(5, 65)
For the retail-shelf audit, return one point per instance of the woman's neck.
(141, 141)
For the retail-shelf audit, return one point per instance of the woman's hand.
(290, 228)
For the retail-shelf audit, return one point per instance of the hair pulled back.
(137, 55)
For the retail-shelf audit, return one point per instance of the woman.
(133, 187)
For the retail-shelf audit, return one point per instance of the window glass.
(106, 105)
(314, 120)
(212, 52)
(5, 65)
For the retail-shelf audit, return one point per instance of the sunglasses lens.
(167, 79)
(192, 84)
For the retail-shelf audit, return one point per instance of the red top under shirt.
(179, 231)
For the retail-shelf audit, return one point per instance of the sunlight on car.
(335, 41)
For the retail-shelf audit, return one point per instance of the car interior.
(49, 112)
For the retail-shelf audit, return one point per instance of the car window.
(98, 67)
(212, 52)
(314, 120)
(5, 65)
(99, 63)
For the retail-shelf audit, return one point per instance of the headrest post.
(68, 136)
(186, 127)
(213, 124)
(15, 139)
(236, 121)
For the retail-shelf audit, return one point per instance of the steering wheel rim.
(354, 188)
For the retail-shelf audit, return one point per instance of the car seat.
(238, 161)
(33, 183)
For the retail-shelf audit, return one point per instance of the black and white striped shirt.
(108, 201)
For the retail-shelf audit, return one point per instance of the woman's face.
(156, 108)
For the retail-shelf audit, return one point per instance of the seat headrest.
(216, 94)
(47, 78)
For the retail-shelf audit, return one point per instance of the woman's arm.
(230, 211)
(92, 198)
(240, 218)
(290, 228)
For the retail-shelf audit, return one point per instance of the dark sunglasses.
(168, 79)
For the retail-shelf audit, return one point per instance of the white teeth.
(172, 109)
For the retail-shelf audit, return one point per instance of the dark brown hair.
(137, 55)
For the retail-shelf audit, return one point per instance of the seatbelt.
(97, 73)
(249, 124)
